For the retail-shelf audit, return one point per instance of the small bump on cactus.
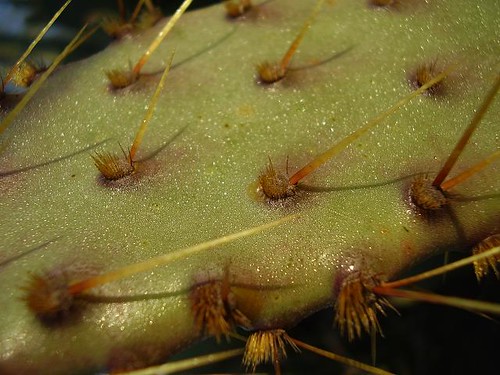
(117, 26)
(120, 79)
(270, 72)
(423, 74)
(237, 8)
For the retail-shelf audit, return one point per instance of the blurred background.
(22, 20)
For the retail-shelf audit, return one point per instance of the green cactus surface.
(211, 136)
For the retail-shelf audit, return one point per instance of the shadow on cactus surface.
(92, 273)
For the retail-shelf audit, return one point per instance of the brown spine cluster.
(275, 185)
(48, 295)
(215, 310)
(426, 196)
(113, 167)
(267, 346)
(236, 9)
(483, 267)
(357, 306)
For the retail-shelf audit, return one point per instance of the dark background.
(21, 20)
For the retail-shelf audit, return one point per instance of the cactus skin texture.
(210, 137)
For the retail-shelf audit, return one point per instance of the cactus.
(201, 162)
